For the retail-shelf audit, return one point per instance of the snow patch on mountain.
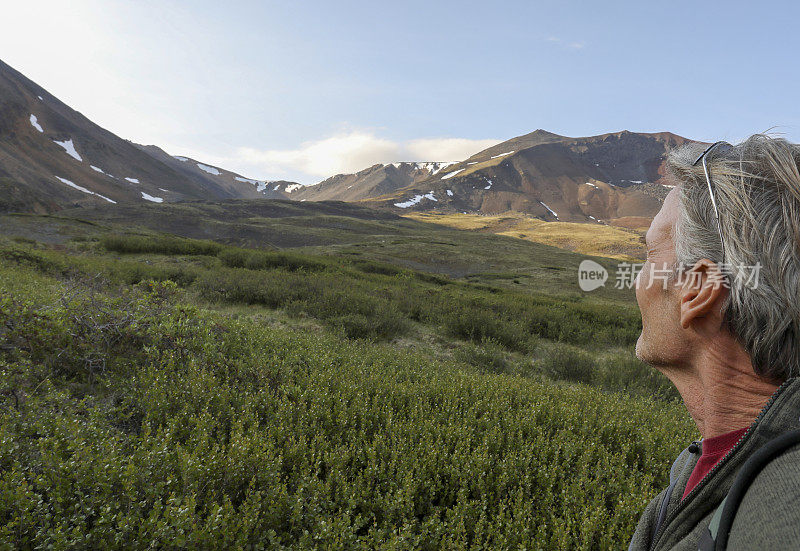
(83, 189)
(548, 208)
(416, 199)
(591, 184)
(132, 180)
(152, 199)
(69, 147)
(450, 192)
(181, 159)
(100, 170)
(210, 169)
(431, 166)
(501, 155)
(291, 187)
(438, 167)
(451, 174)
(261, 185)
(35, 123)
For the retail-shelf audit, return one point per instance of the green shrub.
(487, 356)
(39, 260)
(478, 325)
(372, 267)
(262, 260)
(162, 244)
(432, 278)
(327, 290)
(567, 363)
(216, 433)
(137, 272)
(360, 326)
(326, 297)
(85, 336)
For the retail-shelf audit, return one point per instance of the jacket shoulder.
(769, 514)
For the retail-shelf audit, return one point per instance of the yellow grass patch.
(590, 239)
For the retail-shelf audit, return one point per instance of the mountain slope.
(374, 181)
(53, 157)
(226, 182)
(617, 176)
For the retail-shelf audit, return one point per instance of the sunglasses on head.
(721, 147)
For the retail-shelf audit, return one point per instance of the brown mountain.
(612, 177)
(214, 177)
(53, 157)
(375, 181)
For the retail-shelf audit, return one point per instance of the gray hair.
(757, 189)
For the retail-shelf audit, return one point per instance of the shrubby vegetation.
(160, 244)
(132, 415)
(353, 293)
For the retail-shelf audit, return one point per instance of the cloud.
(348, 152)
(445, 149)
(356, 150)
(565, 44)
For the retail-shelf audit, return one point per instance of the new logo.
(591, 275)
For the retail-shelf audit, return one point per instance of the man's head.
(757, 189)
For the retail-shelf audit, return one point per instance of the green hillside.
(356, 392)
(332, 228)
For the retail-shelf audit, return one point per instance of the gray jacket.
(769, 514)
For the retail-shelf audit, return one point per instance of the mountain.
(52, 157)
(377, 180)
(616, 177)
(234, 185)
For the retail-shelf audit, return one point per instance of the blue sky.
(303, 90)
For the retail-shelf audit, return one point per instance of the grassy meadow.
(590, 239)
(367, 387)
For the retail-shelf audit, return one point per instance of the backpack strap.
(674, 476)
(676, 471)
(715, 538)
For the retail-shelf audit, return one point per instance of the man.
(724, 326)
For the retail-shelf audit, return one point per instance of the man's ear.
(704, 288)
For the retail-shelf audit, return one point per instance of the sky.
(303, 90)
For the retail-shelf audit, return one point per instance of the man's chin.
(638, 350)
(653, 356)
(642, 352)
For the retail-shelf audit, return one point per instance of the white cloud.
(349, 152)
(566, 44)
(446, 149)
(357, 150)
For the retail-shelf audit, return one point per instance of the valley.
(400, 357)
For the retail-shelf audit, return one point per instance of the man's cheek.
(640, 284)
